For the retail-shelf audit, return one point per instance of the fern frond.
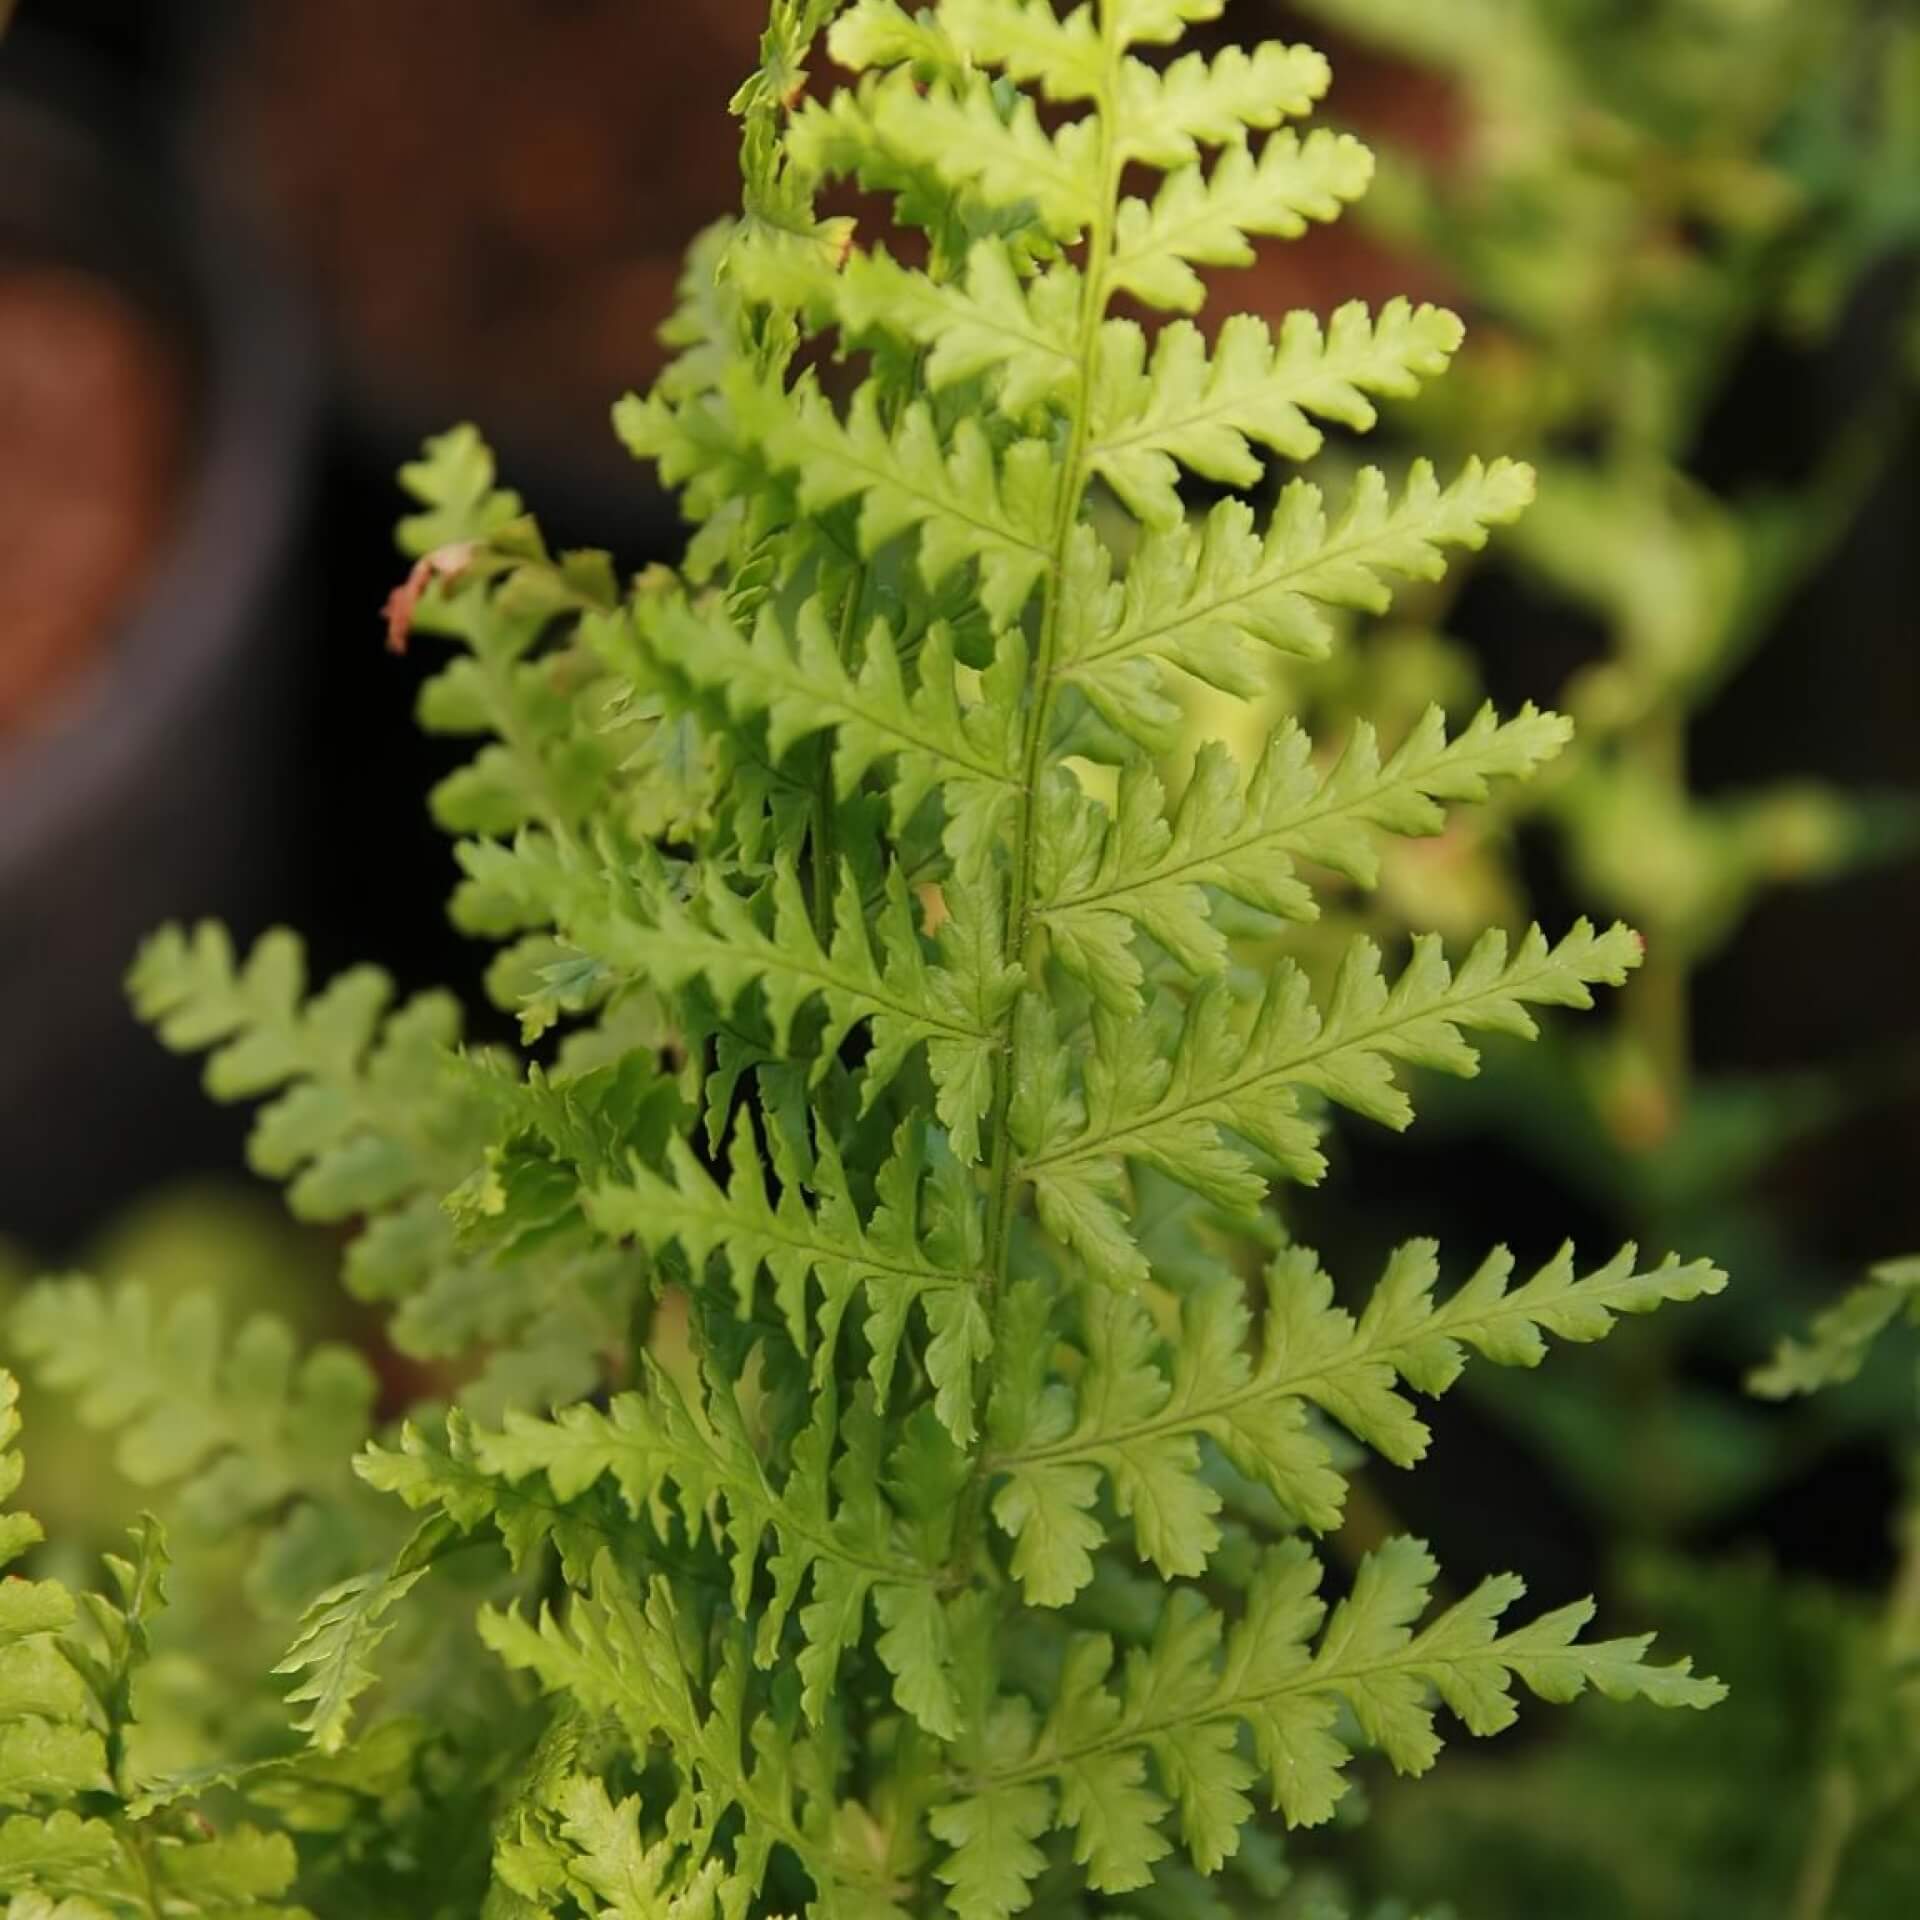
(1225, 1078)
(1141, 1406)
(797, 677)
(851, 1288)
(1159, 23)
(1285, 1671)
(368, 1118)
(966, 504)
(1150, 867)
(484, 579)
(1837, 1344)
(452, 485)
(331, 1659)
(440, 1471)
(75, 1841)
(883, 33)
(653, 1666)
(242, 1425)
(903, 1000)
(1166, 115)
(1197, 603)
(1029, 41)
(673, 1453)
(605, 1862)
(890, 129)
(895, 1259)
(1207, 218)
(984, 321)
(1206, 412)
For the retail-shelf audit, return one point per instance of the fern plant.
(892, 1435)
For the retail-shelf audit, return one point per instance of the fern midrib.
(1231, 404)
(1316, 1674)
(859, 1262)
(1075, 478)
(1022, 925)
(1366, 1039)
(778, 959)
(1361, 805)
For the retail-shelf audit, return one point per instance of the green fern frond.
(801, 681)
(331, 1658)
(441, 1472)
(966, 503)
(1225, 1077)
(1284, 1670)
(485, 580)
(674, 1453)
(1842, 1335)
(984, 321)
(367, 1117)
(73, 1840)
(848, 1287)
(652, 1664)
(241, 1426)
(904, 1001)
(596, 1852)
(894, 1259)
(1150, 866)
(1168, 114)
(1205, 604)
(452, 483)
(891, 128)
(1142, 1408)
(1206, 412)
(1209, 219)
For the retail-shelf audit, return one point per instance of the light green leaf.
(1195, 603)
(1206, 412)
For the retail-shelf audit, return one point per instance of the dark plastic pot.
(152, 787)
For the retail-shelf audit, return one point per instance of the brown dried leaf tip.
(443, 563)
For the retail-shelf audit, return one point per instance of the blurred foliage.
(1631, 202)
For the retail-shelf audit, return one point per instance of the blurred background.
(250, 254)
